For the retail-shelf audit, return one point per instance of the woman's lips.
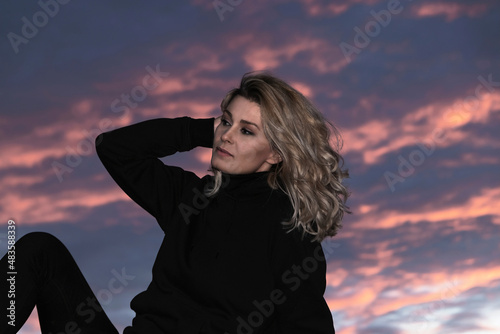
(223, 151)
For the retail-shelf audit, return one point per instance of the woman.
(241, 252)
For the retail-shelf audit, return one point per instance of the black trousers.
(46, 275)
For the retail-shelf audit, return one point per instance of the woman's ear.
(274, 158)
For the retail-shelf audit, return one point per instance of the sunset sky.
(413, 87)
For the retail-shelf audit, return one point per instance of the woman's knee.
(39, 242)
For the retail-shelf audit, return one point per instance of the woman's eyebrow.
(241, 121)
(249, 123)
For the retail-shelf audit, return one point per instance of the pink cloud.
(304, 88)
(436, 124)
(32, 325)
(469, 159)
(450, 10)
(71, 132)
(176, 84)
(378, 295)
(328, 8)
(323, 56)
(196, 108)
(484, 203)
(204, 156)
(21, 156)
(31, 208)
(204, 58)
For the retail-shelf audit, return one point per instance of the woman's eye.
(246, 132)
(224, 122)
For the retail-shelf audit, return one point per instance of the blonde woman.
(241, 252)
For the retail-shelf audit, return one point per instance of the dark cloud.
(63, 81)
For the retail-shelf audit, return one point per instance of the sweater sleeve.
(300, 272)
(131, 156)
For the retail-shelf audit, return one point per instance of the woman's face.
(240, 146)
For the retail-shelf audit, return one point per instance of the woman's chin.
(217, 166)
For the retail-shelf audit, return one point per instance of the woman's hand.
(216, 123)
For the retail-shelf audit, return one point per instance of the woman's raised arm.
(131, 156)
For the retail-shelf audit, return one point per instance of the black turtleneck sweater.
(227, 263)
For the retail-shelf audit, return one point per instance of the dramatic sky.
(413, 86)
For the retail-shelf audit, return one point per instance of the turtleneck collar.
(244, 185)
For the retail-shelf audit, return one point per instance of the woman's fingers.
(216, 123)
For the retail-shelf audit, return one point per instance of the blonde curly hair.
(310, 172)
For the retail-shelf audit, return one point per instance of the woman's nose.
(227, 135)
